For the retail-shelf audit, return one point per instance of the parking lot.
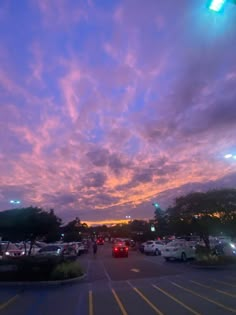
(138, 284)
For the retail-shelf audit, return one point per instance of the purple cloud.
(107, 106)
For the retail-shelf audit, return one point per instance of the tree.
(28, 224)
(205, 213)
(73, 230)
(161, 222)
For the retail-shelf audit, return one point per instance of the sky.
(107, 106)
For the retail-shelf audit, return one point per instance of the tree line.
(198, 213)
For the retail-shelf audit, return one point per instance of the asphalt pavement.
(137, 285)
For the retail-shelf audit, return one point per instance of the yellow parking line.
(205, 298)
(90, 302)
(146, 299)
(121, 306)
(8, 302)
(176, 300)
(217, 290)
(226, 283)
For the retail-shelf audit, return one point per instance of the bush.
(206, 257)
(66, 270)
(28, 268)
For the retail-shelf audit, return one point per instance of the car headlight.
(7, 254)
(232, 245)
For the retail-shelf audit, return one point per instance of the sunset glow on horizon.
(109, 106)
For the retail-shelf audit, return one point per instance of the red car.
(120, 250)
(100, 241)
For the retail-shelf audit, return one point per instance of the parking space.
(138, 285)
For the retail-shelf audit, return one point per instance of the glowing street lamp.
(15, 202)
(217, 5)
(230, 156)
(156, 205)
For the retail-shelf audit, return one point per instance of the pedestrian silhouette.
(95, 248)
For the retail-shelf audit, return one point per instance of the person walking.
(95, 248)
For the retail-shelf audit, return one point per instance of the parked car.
(141, 247)
(153, 247)
(79, 247)
(8, 249)
(26, 247)
(130, 243)
(179, 249)
(64, 251)
(225, 248)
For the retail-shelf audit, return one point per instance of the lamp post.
(15, 202)
(218, 5)
(230, 156)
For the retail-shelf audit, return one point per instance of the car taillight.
(115, 249)
(126, 248)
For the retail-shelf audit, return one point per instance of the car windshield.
(149, 243)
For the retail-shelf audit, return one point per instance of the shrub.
(66, 270)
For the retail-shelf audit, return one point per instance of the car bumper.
(170, 255)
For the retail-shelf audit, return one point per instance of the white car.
(153, 247)
(179, 249)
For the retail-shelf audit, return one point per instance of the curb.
(214, 267)
(53, 283)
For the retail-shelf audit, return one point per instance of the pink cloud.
(60, 13)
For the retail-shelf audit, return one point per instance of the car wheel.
(167, 259)
(157, 252)
(183, 257)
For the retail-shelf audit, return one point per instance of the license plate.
(121, 249)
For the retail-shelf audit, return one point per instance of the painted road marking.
(226, 283)
(135, 270)
(90, 302)
(176, 300)
(146, 299)
(205, 298)
(105, 271)
(121, 306)
(217, 290)
(8, 302)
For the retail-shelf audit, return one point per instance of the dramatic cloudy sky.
(109, 105)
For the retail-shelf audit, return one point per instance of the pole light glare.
(228, 156)
(15, 202)
(217, 5)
